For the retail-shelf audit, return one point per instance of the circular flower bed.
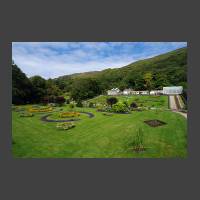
(65, 125)
(69, 114)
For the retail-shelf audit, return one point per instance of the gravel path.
(173, 106)
(172, 103)
(183, 114)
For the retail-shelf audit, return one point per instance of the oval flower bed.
(41, 109)
(69, 114)
(65, 125)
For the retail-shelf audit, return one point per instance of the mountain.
(166, 69)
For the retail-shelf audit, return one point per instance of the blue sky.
(53, 59)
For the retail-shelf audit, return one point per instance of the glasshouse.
(174, 90)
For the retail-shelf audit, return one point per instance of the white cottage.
(173, 90)
(145, 92)
(114, 91)
(127, 91)
(156, 92)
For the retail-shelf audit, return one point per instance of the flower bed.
(69, 114)
(65, 125)
(18, 108)
(40, 109)
(26, 114)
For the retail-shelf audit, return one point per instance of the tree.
(21, 86)
(148, 81)
(84, 89)
(112, 100)
(122, 86)
(39, 88)
(52, 88)
(161, 81)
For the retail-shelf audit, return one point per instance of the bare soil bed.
(154, 123)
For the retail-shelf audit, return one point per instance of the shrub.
(101, 108)
(91, 105)
(26, 114)
(133, 105)
(69, 114)
(111, 101)
(125, 103)
(65, 125)
(79, 104)
(52, 99)
(120, 107)
(67, 101)
(60, 100)
(71, 105)
(45, 100)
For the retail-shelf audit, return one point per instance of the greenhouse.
(174, 90)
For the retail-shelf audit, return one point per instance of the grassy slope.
(101, 136)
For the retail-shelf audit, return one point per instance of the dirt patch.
(154, 123)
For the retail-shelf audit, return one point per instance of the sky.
(54, 59)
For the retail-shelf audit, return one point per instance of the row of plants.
(65, 125)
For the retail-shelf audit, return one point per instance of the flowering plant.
(65, 125)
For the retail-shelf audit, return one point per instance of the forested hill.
(166, 69)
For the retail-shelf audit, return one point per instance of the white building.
(133, 92)
(156, 92)
(136, 92)
(127, 92)
(114, 91)
(145, 92)
(173, 90)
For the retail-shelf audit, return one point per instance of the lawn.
(101, 136)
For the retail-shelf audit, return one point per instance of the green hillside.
(167, 69)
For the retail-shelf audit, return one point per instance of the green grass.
(143, 101)
(100, 137)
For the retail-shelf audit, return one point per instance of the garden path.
(173, 106)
